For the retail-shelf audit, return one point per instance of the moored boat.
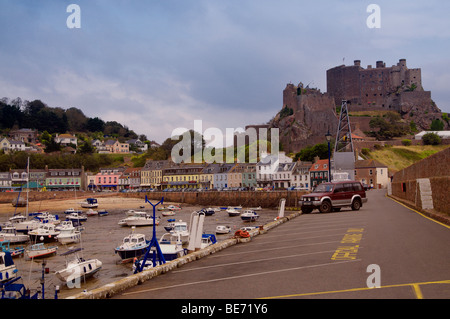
(221, 229)
(45, 232)
(233, 212)
(132, 246)
(10, 234)
(40, 250)
(77, 268)
(8, 269)
(249, 216)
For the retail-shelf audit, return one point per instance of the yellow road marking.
(415, 287)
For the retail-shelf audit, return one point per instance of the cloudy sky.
(157, 65)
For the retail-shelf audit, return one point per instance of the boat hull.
(130, 253)
(76, 272)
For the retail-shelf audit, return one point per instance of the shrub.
(431, 139)
(406, 142)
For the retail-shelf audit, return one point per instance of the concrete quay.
(121, 285)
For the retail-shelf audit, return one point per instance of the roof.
(320, 165)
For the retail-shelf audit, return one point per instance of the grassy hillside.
(399, 157)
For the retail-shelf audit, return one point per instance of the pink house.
(108, 179)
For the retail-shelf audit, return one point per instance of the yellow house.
(152, 174)
(182, 176)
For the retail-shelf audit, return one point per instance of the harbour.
(102, 234)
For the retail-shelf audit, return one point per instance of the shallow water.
(103, 234)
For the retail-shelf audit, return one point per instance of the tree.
(437, 125)
(309, 153)
(431, 139)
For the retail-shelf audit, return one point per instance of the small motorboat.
(68, 233)
(8, 269)
(103, 212)
(221, 229)
(249, 216)
(168, 213)
(10, 234)
(89, 203)
(15, 251)
(48, 218)
(180, 228)
(169, 226)
(207, 211)
(91, 212)
(40, 251)
(139, 219)
(256, 208)
(72, 210)
(132, 246)
(233, 212)
(76, 217)
(208, 240)
(77, 268)
(45, 232)
(173, 207)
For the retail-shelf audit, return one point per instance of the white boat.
(168, 213)
(40, 250)
(68, 233)
(170, 224)
(132, 246)
(91, 212)
(24, 225)
(103, 212)
(171, 248)
(9, 233)
(221, 229)
(8, 269)
(132, 212)
(208, 240)
(180, 228)
(89, 203)
(256, 208)
(233, 212)
(173, 207)
(72, 210)
(77, 268)
(139, 219)
(45, 232)
(249, 215)
(49, 218)
(77, 217)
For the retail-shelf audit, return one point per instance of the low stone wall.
(111, 289)
(436, 168)
(264, 199)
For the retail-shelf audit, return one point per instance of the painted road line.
(270, 249)
(415, 287)
(238, 277)
(251, 261)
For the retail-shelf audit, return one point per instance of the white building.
(442, 134)
(300, 178)
(268, 166)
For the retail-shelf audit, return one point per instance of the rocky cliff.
(307, 115)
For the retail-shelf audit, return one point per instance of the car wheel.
(306, 210)
(356, 205)
(325, 207)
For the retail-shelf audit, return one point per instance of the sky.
(159, 65)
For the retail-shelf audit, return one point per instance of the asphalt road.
(322, 256)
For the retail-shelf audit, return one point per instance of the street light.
(328, 136)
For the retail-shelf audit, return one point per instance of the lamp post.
(328, 136)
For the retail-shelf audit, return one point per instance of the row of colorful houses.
(272, 172)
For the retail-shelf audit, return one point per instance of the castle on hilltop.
(396, 88)
(307, 114)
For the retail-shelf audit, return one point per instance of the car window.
(324, 188)
(348, 187)
(338, 188)
(357, 187)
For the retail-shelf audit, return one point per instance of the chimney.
(380, 64)
(357, 62)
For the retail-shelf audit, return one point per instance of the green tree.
(437, 125)
(431, 139)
